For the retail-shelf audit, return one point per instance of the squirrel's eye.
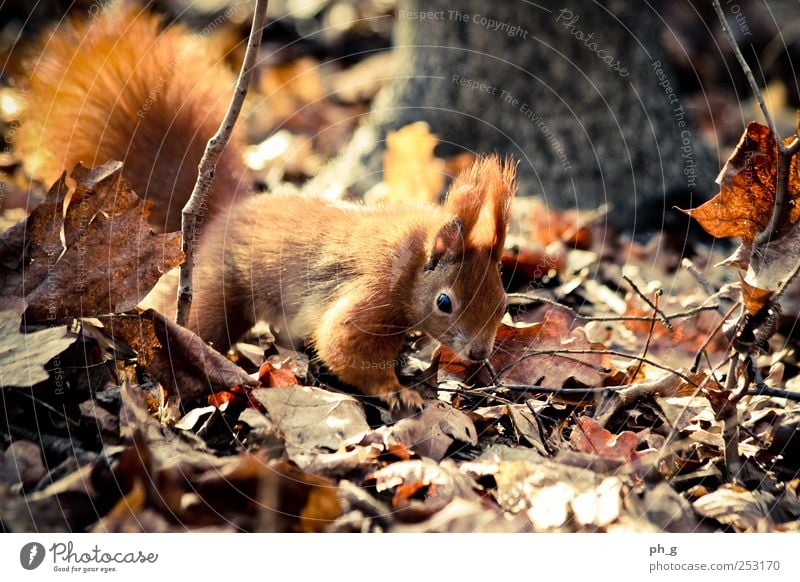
(444, 303)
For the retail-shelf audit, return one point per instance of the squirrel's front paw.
(404, 402)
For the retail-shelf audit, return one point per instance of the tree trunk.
(581, 94)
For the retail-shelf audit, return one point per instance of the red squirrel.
(350, 281)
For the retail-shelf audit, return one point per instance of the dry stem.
(208, 164)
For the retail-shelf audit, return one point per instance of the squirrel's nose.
(479, 353)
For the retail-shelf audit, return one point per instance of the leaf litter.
(600, 409)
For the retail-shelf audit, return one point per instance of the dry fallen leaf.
(312, 420)
(745, 510)
(85, 250)
(182, 362)
(23, 355)
(430, 433)
(517, 359)
(744, 207)
(410, 170)
(273, 375)
(744, 204)
(589, 437)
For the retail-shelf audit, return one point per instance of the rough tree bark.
(579, 92)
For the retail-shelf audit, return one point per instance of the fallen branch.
(680, 315)
(208, 164)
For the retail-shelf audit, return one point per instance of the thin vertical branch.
(729, 415)
(748, 72)
(782, 209)
(208, 164)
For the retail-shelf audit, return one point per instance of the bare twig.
(680, 315)
(782, 209)
(745, 67)
(648, 340)
(661, 315)
(208, 164)
(711, 335)
(625, 395)
(695, 272)
(729, 416)
(775, 393)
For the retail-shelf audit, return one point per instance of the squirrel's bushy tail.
(124, 87)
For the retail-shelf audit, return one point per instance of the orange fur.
(122, 87)
(481, 195)
(353, 281)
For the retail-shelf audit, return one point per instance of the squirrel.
(350, 281)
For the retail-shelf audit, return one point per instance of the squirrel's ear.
(481, 197)
(449, 240)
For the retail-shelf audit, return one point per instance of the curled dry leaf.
(182, 362)
(422, 487)
(744, 204)
(590, 437)
(272, 375)
(743, 208)
(430, 433)
(745, 510)
(86, 250)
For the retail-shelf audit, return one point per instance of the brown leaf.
(517, 346)
(23, 355)
(745, 510)
(312, 420)
(746, 199)
(273, 375)
(431, 432)
(182, 362)
(590, 437)
(85, 251)
(421, 488)
(411, 171)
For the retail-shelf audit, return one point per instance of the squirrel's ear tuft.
(448, 242)
(481, 197)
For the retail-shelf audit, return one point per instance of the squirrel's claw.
(404, 403)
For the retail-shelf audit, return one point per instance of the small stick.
(729, 416)
(714, 332)
(208, 164)
(695, 272)
(661, 315)
(780, 213)
(680, 315)
(647, 341)
(775, 393)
